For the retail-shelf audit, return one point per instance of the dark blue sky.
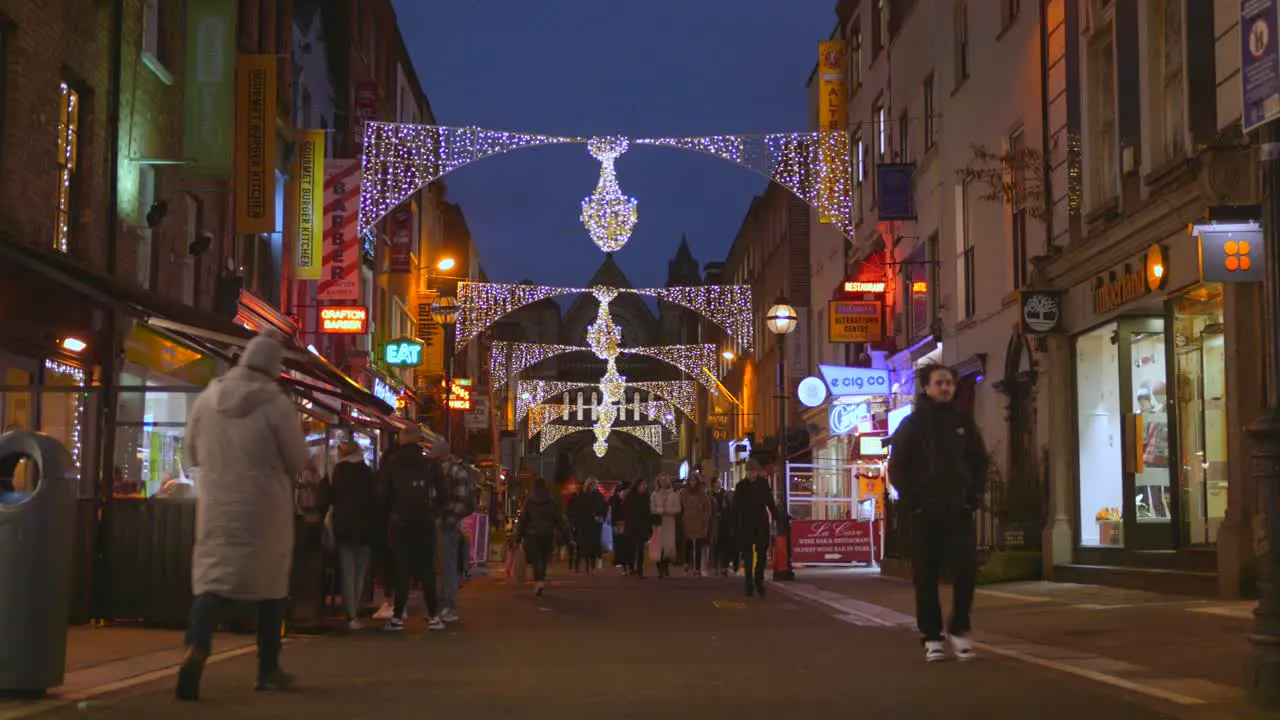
(594, 67)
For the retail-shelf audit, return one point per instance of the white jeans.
(353, 562)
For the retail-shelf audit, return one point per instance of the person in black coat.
(639, 524)
(540, 521)
(939, 467)
(354, 519)
(621, 541)
(723, 550)
(586, 516)
(753, 509)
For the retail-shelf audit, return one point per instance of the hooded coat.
(695, 503)
(245, 438)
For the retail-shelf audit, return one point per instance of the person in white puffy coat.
(665, 503)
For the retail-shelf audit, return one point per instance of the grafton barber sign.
(835, 541)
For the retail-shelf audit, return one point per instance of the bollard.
(37, 531)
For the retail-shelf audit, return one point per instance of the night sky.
(593, 67)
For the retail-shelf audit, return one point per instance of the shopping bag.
(606, 533)
(655, 549)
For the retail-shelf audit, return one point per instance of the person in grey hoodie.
(540, 520)
(245, 437)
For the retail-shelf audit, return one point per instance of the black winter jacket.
(938, 462)
(540, 516)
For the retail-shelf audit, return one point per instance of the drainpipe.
(1045, 170)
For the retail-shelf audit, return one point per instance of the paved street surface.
(619, 647)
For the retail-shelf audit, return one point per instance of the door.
(1149, 480)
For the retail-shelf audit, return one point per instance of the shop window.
(1100, 438)
(1200, 394)
(150, 435)
(62, 407)
(1152, 501)
(17, 416)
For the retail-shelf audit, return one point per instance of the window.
(879, 27)
(1009, 12)
(1104, 143)
(881, 115)
(1170, 47)
(919, 288)
(904, 138)
(859, 171)
(1018, 209)
(1201, 393)
(150, 51)
(67, 159)
(966, 282)
(930, 129)
(961, 30)
(855, 57)
(146, 197)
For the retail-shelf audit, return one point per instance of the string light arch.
(506, 358)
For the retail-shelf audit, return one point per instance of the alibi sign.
(402, 352)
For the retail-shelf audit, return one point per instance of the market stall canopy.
(203, 330)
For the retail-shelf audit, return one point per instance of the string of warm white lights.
(540, 415)
(662, 411)
(551, 434)
(607, 214)
(482, 304)
(401, 159)
(508, 358)
(603, 336)
(691, 359)
(76, 419)
(650, 434)
(681, 393)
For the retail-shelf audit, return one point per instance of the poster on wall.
(209, 105)
(400, 261)
(340, 274)
(255, 150)
(855, 321)
(836, 541)
(311, 215)
(833, 114)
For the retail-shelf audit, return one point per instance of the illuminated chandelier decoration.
(607, 214)
(401, 159)
(508, 358)
(482, 304)
(682, 394)
(603, 336)
(650, 434)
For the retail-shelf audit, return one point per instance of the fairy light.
(608, 215)
(682, 393)
(541, 415)
(649, 434)
(553, 434)
(600, 448)
(401, 159)
(508, 358)
(691, 359)
(77, 413)
(529, 393)
(603, 336)
(662, 411)
(482, 304)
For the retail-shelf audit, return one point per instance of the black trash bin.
(37, 527)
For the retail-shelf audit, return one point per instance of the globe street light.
(781, 320)
(445, 312)
(446, 264)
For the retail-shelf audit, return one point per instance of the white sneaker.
(394, 624)
(434, 623)
(449, 615)
(354, 624)
(935, 651)
(962, 647)
(386, 612)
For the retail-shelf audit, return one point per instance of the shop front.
(1152, 343)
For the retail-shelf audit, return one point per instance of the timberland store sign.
(1132, 281)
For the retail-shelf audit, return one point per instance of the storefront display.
(1200, 404)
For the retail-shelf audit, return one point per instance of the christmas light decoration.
(608, 215)
(400, 159)
(650, 434)
(482, 304)
(603, 336)
(662, 411)
(553, 434)
(77, 412)
(681, 393)
(540, 415)
(600, 447)
(508, 358)
(813, 165)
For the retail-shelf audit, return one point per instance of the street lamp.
(446, 264)
(781, 320)
(728, 355)
(445, 312)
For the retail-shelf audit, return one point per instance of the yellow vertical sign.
(833, 114)
(255, 180)
(307, 259)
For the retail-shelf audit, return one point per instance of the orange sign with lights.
(863, 286)
(344, 320)
(1130, 282)
(460, 395)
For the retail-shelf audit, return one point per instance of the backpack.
(413, 486)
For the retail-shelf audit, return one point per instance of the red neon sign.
(344, 320)
(862, 286)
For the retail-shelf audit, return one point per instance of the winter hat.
(263, 353)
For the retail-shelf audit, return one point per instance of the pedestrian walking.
(665, 507)
(621, 541)
(695, 507)
(411, 486)
(639, 524)
(461, 498)
(540, 521)
(587, 511)
(354, 520)
(939, 467)
(723, 550)
(245, 437)
(753, 508)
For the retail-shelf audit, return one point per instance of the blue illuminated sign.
(403, 352)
